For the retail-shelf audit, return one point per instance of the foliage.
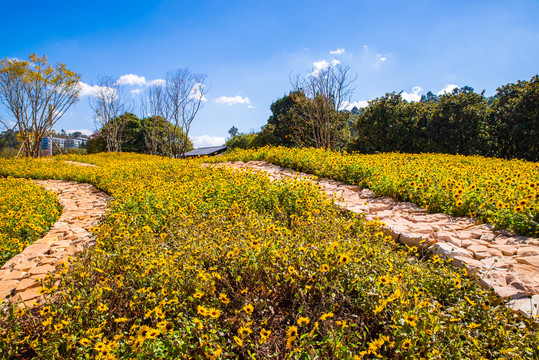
(132, 137)
(516, 120)
(204, 262)
(455, 123)
(37, 95)
(147, 136)
(504, 193)
(282, 121)
(27, 211)
(241, 141)
(96, 143)
(461, 122)
(387, 125)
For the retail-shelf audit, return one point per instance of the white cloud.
(318, 65)
(335, 62)
(207, 140)
(365, 47)
(448, 89)
(196, 92)
(413, 96)
(339, 51)
(233, 100)
(135, 80)
(90, 90)
(136, 91)
(379, 60)
(86, 132)
(359, 104)
(159, 82)
(131, 79)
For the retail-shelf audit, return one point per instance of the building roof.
(206, 151)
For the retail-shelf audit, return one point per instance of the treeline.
(462, 122)
(149, 135)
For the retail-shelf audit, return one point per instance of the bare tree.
(152, 108)
(184, 96)
(37, 95)
(323, 94)
(108, 102)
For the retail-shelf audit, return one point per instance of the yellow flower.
(406, 344)
(244, 331)
(198, 323)
(143, 331)
(410, 319)
(238, 341)
(292, 332)
(324, 268)
(102, 307)
(343, 259)
(165, 326)
(198, 295)
(152, 333)
(248, 308)
(326, 316)
(303, 321)
(214, 354)
(224, 299)
(202, 310)
(85, 342)
(470, 301)
(264, 334)
(214, 313)
(380, 306)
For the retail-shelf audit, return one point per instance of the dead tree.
(108, 102)
(323, 94)
(184, 97)
(152, 108)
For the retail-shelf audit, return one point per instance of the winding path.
(504, 262)
(83, 207)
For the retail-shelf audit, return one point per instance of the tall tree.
(322, 95)
(108, 102)
(178, 102)
(152, 107)
(37, 95)
(515, 120)
(184, 97)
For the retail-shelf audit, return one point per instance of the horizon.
(250, 51)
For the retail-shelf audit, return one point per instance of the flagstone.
(504, 262)
(83, 207)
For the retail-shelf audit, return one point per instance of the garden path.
(83, 207)
(501, 261)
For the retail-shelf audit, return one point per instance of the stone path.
(503, 262)
(83, 207)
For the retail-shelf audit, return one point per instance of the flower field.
(197, 262)
(27, 211)
(501, 192)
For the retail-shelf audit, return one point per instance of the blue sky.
(249, 49)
